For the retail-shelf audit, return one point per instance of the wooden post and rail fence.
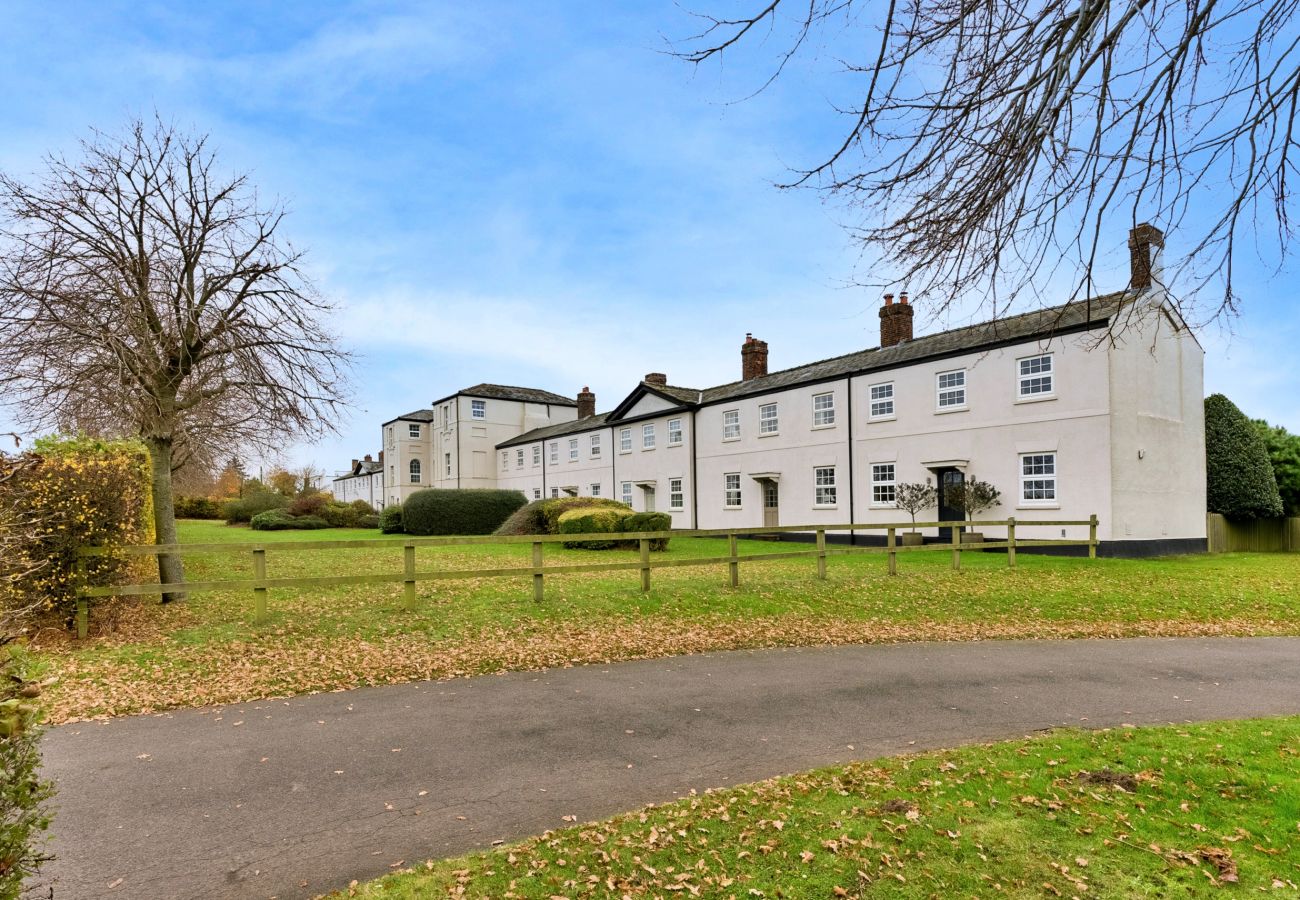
(261, 583)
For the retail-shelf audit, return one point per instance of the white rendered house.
(1092, 407)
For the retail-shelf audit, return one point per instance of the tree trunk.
(170, 568)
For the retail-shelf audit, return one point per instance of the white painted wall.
(651, 470)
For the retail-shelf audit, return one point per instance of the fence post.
(644, 544)
(408, 566)
(259, 593)
(1011, 542)
(538, 577)
(821, 553)
(893, 554)
(1092, 536)
(734, 565)
(83, 603)
(956, 548)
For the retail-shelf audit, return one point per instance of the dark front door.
(948, 478)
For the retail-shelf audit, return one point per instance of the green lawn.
(1189, 811)
(145, 656)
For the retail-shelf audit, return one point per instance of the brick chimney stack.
(655, 378)
(368, 459)
(586, 403)
(753, 358)
(1144, 245)
(895, 320)
(354, 463)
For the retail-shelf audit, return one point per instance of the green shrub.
(309, 504)
(23, 793)
(1284, 455)
(339, 515)
(542, 516)
(197, 508)
(242, 509)
(69, 494)
(363, 508)
(650, 521)
(390, 519)
(593, 520)
(281, 520)
(367, 522)
(556, 507)
(1239, 478)
(438, 511)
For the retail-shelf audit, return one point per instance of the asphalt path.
(293, 798)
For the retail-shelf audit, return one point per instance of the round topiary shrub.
(437, 511)
(650, 521)
(363, 508)
(1239, 480)
(390, 519)
(242, 509)
(281, 520)
(367, 521)
(593, 520)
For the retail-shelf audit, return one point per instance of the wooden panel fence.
(261, 583)
(1259, 535)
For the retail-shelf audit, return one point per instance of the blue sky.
(522, 193)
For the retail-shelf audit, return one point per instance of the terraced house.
(1089, 407)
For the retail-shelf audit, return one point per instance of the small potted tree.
(973, 498)
(912, 497)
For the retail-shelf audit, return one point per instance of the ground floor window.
(824, 482)
(555, 492)
(676, 498)
(882, 483)
(595, 490)
(1038, 477)
(537, 493)
(731, 490)
(626, 490)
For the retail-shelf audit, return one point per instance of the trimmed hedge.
(197, 508)
(475, 511)
(390, 519)
(542, 516)
(593, 520)
(1239, 478)
(281, 520)
(650, 521)
(242, 509)
(367, 521)
(340, 515)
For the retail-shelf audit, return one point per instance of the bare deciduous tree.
(143, 291)
(992, 143)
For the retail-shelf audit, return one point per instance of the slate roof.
(563, 428)
(420, 415)
(511, 392)
(1043, 323)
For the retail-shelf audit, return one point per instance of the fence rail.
(261, 582)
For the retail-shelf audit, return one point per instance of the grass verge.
(145, 657)
(1182, 811)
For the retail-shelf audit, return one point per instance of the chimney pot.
(586, 403)
(753, 358)
(895, 320)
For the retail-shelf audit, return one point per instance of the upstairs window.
(595, 450)
(537, 454)
(767, 421)
(1038, 478)
(648, 437)
(555, 452)
(625, 440)
(823, 410)
(415, 471)
(731, 425)
(1035, 377)
(731, 490)
(478, 409)
(413, 430)
(519, 458)
(882, 400)
(883, 484)
(824, 483)
(951, 388)
(674, 432)
(573, 449)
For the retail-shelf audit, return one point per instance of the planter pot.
(972, 537)
(912, 538)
